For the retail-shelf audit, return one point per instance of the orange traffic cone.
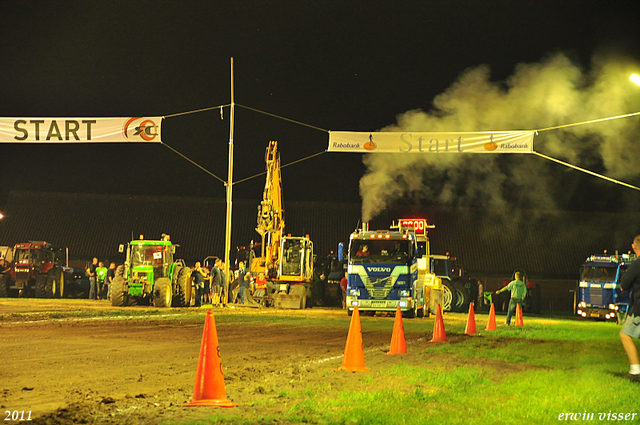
(439, 334)
(519, 320)
(491, 325)
(471, 322)
(353, 359)
(209, 389)
(398, 343)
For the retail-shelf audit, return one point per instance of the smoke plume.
(555, 91)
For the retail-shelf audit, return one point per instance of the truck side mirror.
(121, 248)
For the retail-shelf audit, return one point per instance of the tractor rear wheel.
(449, 297)
(55, 283)
(117, 291)
(180, 283)
(41, 286)
(162, 293)
(463, 298)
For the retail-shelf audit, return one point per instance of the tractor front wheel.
(181, 299)
(162, 293)
(117, 291)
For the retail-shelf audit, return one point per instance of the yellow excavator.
(286, 261)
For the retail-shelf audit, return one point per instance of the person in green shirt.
(101, 273)
(518, 291)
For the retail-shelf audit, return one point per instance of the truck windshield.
(598, 274)
(146, 255)
(379, 251)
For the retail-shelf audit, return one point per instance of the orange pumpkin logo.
(370, 145)
(491, 146)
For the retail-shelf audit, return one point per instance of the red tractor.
(38, 270)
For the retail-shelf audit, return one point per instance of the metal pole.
(227, 241)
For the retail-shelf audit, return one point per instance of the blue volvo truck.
(383, 271)
(598, 295)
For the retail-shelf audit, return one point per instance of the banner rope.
(283, 118)
(196, 164)
(281, 167)
(589, 122)
(198, 110)
(575, 167)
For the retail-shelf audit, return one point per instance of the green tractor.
(151, 276)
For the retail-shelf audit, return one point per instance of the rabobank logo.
(370, 145)
(343, 145)
(379, 269)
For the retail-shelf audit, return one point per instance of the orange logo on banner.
(370, 146)
(146, 129)
(491, 146)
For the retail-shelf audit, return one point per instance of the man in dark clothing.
(244, 281)
(111, 274)
(631, 327)
(216, 282)
(198, 274)
(93, 282)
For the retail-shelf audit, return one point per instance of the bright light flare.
(635, 78)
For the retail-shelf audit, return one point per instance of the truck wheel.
(55, 283)
(463, 298)
(411, 314)
(180, 283)
(162, 293)
(422, 310)
(448, 296)
(41, 286)
(117, 291)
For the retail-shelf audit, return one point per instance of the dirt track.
(76, 361)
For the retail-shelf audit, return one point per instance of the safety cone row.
(398, 343)
(353, 359)
(439, 334)
(470, 329)
(519, 320)
(491, 325)
(209, 389)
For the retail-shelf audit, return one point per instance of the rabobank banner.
(410, 142)
(80, 130)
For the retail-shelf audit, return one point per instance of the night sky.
(335, 65)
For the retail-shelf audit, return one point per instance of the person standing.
(111, 274)
(93, 282)
(631, 326)
(198, 274)
(101, 274)
(518, 292)
(216, 282)
(223, 283)
(343, 287)
(244, 281)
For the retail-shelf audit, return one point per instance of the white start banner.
(80, 130)
(410, 142)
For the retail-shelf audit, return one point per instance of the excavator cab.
(297, 258)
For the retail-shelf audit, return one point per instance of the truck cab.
(599, 295)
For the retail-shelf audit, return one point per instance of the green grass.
(510, 376)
